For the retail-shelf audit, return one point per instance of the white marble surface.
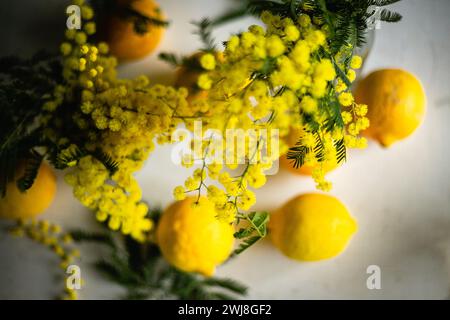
(400, 196)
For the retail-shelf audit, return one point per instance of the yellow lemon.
(291, 139)
(396, 101)
(312, 227)
(34, 201)
(121, 37)
(192, 238)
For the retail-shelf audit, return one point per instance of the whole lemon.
(291, 139)
(121, 37)
(312, 227)
(34, 201)
(192, 238)
(396, 101)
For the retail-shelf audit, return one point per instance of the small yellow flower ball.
(90, 28)
(70, 34)
(351, 75)
(266, 17)
(340, 86)
(346, 99)
(114, 125)
(304, 20)
(179, 193)
(204, 81)
(233, 43)
(114, 223)
(103, 48)
(80, 38)
(65, 48)
(275, 46)
(93, 73)
(208, 62)
(361, 110)
(257, 30)
(308, 104)
(89, 84)
(292, 33)
(84, 49)
(356, 62)
(87, 12)
(325, 70)
(346, 117)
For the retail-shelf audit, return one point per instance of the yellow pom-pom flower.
(208, 61)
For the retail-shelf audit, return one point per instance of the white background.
(400, 196)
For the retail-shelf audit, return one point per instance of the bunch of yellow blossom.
(272, 79)
(266, 82)
(353, 114)
(51, 236)
(104, 127)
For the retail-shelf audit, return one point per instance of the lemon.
(291, 139)
(121, 37)
(312, 227)
(396, 101)
(192, 238)
(34, 201)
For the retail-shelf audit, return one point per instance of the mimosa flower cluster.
(279, 77)
(266, 82)
(51, 236)
(95, 113)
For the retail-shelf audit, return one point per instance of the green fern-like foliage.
(297, 154)
(25, 85)
(31, 170)
(348, 22)
(171, 58)
(255, 230)
(204, 31)
(348, 19)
